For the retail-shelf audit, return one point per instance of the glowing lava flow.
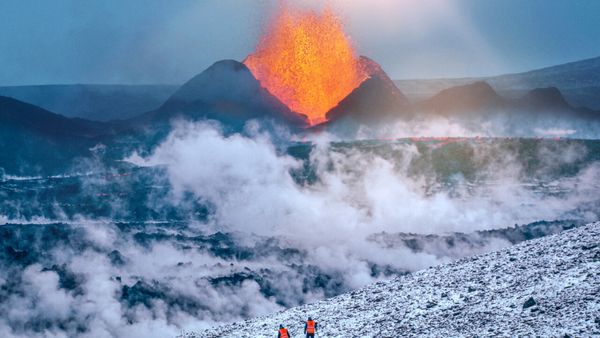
(307, 61)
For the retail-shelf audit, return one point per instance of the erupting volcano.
(306, 60)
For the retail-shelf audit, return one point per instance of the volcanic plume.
(306, 60)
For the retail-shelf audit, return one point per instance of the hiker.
(283, 332)
(310, 328)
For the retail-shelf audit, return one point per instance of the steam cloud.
(106, 278)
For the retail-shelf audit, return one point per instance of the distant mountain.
(93, 102)
(227, 92)
(33, 139)
(579, 74)
(579, 82)
(376, 99)
(475, 97)
(479, 99)
(545, 99)
(28, 118)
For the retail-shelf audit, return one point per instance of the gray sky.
(151, 41)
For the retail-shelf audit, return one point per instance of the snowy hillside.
(544, 287)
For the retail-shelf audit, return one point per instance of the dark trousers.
(310, 335)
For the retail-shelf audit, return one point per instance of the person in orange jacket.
(283, 332)
(310, 328)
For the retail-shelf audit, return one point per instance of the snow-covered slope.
(544, 287)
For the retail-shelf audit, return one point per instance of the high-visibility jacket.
(310, 326)
(283, 333)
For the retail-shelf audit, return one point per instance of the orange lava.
(306, 60)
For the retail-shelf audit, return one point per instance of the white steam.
(249, 186)
(358, 192)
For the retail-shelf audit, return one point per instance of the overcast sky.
(151, 41)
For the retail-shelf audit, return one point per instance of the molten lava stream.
(306, 60)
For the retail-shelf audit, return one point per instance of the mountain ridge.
(34, 139)
(578, 80)
(97, 102)
(479, 99)
(26, 116)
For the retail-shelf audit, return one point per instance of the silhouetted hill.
(34, 140)
(545, 99)
(479, 99)
(25, 117)
(227, 92)
(93, 102)
(376, 99)
(579, 82)
(475, 97)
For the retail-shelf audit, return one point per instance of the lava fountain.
(306, 60)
